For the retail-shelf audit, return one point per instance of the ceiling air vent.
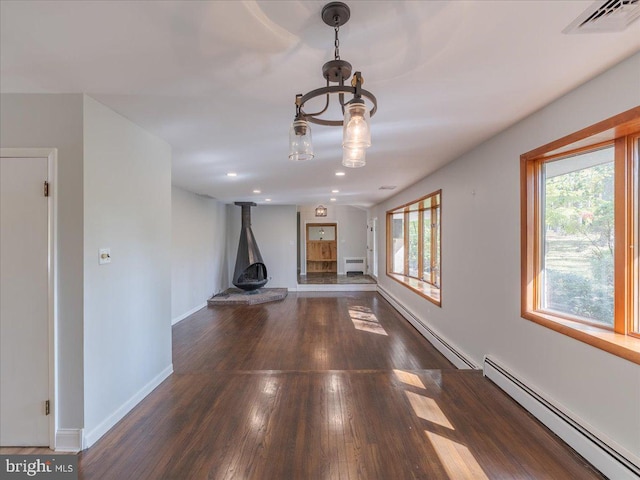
(387, 187)
(605, 17)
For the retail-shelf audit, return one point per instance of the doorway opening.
(322, 248)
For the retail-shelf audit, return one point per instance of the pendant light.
(356, 132)
(353, 157)
(300, 144)
(356, 136)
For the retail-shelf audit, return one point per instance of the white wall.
(274, 227)
(199, 265)
(480, 312)
(28, 120)
(127, 303)
(352, 231)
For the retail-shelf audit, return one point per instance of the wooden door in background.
(322, 248)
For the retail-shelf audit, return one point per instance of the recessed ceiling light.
(267, 199)
(340, 174)
(332, 199)
(257, 191)
(232, 174)
(335, 191)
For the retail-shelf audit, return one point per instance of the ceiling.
(217, 80)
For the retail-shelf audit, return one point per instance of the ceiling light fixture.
(340, 174)
(356, 131)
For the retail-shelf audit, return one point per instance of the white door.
(24, 344)
(372, 247)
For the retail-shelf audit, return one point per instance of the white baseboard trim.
(91, 437)
(612, 460)
(179, 318)
(441, 344)
(68, 440)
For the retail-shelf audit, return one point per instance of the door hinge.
(47, 407)
(46, 188)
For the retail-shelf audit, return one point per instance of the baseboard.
(91, 437)
(186, 314)
(440, 343)
(68, 440)
(612, 460)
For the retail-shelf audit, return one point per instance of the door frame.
(51, 154)
(306, 239)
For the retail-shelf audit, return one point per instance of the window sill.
(623, 346)
(423, 289)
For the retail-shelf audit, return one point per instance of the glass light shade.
(356, 132)
(353, 157)
(300, 144)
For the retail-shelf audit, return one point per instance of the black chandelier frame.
(335, 14)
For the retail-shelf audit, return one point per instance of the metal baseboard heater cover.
(609, 460)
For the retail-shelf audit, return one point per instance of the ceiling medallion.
(356, 131)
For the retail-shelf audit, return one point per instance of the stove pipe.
(250, 272)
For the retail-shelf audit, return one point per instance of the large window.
(580, 235)
(413, 246)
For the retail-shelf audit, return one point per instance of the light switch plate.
(104, 256)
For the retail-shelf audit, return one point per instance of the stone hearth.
(235, 296)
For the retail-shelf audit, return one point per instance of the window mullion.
(406, 241)
(623, 209)
(633, 265)
(622, 240)
(421, 242)
(432, 231)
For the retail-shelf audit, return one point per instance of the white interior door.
(372, 247)
(24, 335)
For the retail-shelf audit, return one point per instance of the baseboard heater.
(444, 347)
(610, 461)
(354, 265)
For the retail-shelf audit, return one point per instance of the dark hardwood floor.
(323, 386)
(334, 279)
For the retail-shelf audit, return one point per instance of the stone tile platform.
(235, 296)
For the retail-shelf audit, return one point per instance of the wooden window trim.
(435, 220)
(421, 237)
(424, 288)
(622, 131)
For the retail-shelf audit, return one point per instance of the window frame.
(623, 132)
(426, 288)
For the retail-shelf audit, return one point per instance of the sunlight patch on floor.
(365, 320)
(456, 458)
(409, 378)
(428, 409)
